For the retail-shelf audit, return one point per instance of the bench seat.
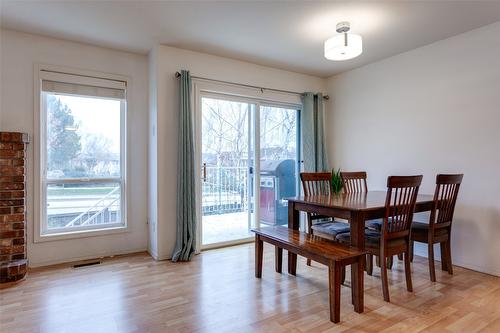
(327, 252)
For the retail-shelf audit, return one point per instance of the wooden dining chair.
(438, 230)
(394, 238)
(355, 182)
(316, 183)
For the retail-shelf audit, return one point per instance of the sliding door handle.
(204, 172)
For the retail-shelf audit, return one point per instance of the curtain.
(186, 206)
(313, 136)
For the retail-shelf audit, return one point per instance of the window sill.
(80, 234)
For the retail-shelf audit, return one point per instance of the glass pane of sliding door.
(278, 128)
(226, 168)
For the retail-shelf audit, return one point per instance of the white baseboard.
(421, 250)
(72, 259)
(163, 257)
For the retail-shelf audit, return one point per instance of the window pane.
(80, 205)
(224, 170)
(278, 133)
(278, 163)
(83, 137)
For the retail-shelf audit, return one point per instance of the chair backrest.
(354, 182)
(315, 183)
(400, 202)
(445, 197)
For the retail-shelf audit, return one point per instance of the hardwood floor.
(217, 292)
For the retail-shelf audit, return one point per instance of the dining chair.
(316, 183)
(438, 230)
(394, 237)
(355, 182)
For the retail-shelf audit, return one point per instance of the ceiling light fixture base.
(343, 27)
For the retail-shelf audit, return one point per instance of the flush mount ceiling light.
(343, 46)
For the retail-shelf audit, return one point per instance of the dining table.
(356, 208)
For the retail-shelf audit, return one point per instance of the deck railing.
(224, 190)
(105, 210)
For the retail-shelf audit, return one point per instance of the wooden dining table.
(354, 207)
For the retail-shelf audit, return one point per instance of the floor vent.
(85, 264)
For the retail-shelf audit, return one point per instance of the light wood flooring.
(217, 292)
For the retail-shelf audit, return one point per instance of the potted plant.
(336, 181)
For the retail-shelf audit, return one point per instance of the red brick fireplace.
(13, 261)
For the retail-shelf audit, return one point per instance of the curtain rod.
(177, 74)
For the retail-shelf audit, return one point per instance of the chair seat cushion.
(331, 228)
(423, 228)
(372, 239)
(374, 224)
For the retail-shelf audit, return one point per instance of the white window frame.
(41, 72)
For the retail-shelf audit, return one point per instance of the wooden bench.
(324, 251)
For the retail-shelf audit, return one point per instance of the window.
(82, 153)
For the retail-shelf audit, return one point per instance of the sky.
(96, 116)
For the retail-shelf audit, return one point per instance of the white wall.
(168, 60)
(19, 52)
(432, 110)
(152, 158)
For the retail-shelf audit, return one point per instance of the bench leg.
(278, 259)
(259, 254)
(334, 277)
(357, 284)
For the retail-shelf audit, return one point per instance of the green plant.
(336, 181)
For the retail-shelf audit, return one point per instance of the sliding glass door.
(278, 134)
(248, 164)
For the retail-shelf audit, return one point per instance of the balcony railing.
(105, 210)
(224, 190)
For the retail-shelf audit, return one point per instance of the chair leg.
(369, 264)
(448, 257)
(259, 254)
(334, 276)
(389, 262)
(377, 261)
(412, 243)
(409, 285)
(444, 266)
(400, 256)
(309, 262)
(430, 256)
(278, 260)
(385, 282)
(342, 273)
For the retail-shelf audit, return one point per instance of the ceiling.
(287, 35)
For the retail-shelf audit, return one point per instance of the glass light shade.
(343, 46)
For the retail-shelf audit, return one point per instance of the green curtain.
(186, 206)
(313, 136)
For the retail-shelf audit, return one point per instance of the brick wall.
(13, 261)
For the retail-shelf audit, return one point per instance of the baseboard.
(94, 256)
(421, 250)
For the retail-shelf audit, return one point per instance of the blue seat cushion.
(374, 224)
(331, 228)
(372, 239)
